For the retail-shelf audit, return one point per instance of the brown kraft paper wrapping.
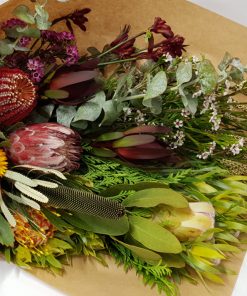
(206, 33)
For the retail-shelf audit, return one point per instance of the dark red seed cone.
(17, 96)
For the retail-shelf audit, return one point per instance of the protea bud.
(47, 145)
(17, 95)
(191, 222)
(26, 235)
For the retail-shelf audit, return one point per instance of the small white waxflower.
(178, 123)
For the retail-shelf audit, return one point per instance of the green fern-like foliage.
(153, 275)
(105, 173)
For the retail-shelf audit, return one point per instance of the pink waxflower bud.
(47, 145)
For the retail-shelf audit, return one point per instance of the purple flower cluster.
(36, 66)
(13, 22)
(57, 37)
(72, 55)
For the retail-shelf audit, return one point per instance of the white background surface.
(14, 281)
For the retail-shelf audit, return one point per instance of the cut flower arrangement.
(138, 153)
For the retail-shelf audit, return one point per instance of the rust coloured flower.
(48, 145)
(17, 96)
(26, 235)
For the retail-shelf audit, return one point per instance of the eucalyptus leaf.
(99, 225)
(29, 32)
(81, 124)
(144, 254)
(208, 76)
(6, 234)
(6, 47)
(91, 110)
(184, 72)
(153, 236)
(156, 87)
(112, 110)
(23, 13)
(154, 196)
(225, 62)
(189, 102)
(65, 114)
(42, 18)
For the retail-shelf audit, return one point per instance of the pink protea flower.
(48, 145)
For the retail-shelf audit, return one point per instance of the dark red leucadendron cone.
(136, 144)
(17, 96)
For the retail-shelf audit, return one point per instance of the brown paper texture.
(206, 33)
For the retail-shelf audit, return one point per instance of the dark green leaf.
(145, 254)
(6, 234)
(99, 225)
(153, 236)
(152, 197)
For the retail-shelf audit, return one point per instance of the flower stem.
(116, 62)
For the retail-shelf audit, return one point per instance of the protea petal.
(47, 145)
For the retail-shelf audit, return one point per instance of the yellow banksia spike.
(3, 163)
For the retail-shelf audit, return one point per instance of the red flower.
(17, 96)
(77, 17)
(161, 27)
(48, 145)
(174, 46)
(125, 50)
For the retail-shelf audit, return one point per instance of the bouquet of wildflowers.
(138, 153)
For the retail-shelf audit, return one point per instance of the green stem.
(116, 62)
(140, 96)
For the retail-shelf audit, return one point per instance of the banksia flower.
(83, 202)
(47, 145)
(26, 235)
(17, 96)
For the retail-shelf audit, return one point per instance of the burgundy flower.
(48, 145)
(174, 46)
(126, 49)
(160, 27)
(77, 17)
(17, 96)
